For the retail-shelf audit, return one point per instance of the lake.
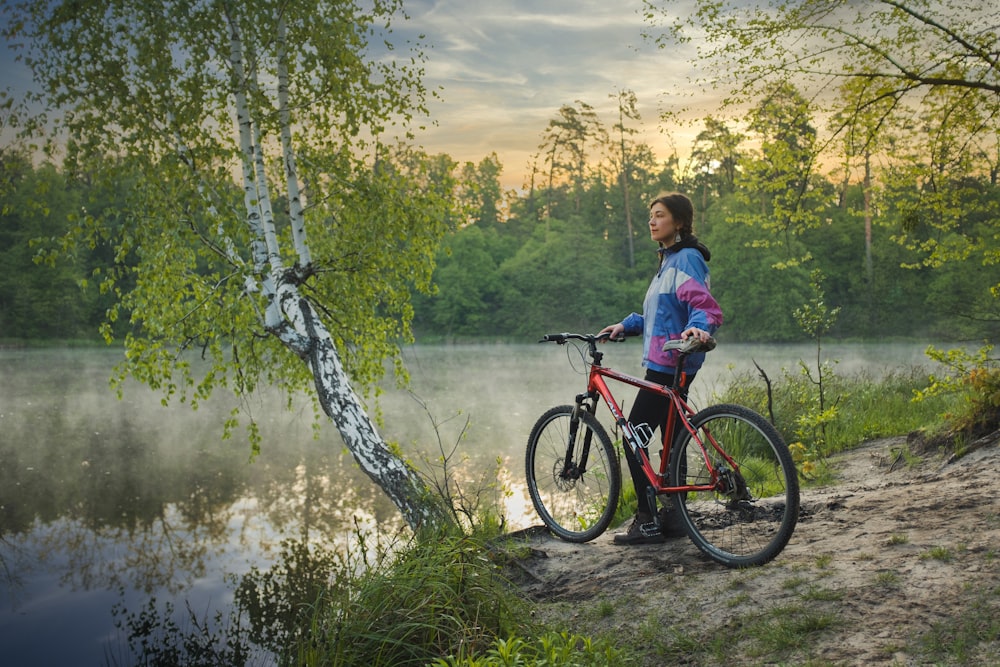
(106, 502)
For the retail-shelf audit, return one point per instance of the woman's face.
(662, 227)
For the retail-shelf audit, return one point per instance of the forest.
(570, 250)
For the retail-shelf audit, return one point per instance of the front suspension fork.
(574, 469)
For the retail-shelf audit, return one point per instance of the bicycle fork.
(574, 469)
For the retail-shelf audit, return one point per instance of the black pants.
(652, 409)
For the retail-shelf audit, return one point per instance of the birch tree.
(273, 229)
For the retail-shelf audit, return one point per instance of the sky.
(503, 69)
(507, 66)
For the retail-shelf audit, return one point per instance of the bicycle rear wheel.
(749, 516)
(574, 477)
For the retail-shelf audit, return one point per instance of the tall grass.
(405, 605)
(864, 408)
(441, 601)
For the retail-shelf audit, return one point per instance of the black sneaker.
(640, 532)
(670, 524)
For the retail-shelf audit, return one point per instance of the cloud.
(505, 68)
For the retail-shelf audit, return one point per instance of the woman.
(678, 305)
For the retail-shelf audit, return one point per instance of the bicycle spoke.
(574, 502)
(749, 516)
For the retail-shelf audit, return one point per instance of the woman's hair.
(681, 209)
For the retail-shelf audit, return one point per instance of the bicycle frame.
(680, 410)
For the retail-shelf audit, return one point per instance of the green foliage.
(967, 637)
(371, 604)
(975, 379)
(489, 279)
(912, 127)
(926, 268)
(777, 184)
(555, 649)
(757, 301)
(868, 407)
(469, 284)
(433, 598)
(815, 318)
(154, 111)
(39, 299)
(551, 281)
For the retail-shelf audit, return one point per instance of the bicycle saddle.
(690, 345)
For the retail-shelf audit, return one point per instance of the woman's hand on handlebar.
(614, 331)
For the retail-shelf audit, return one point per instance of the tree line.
(572, 250)
(882, 186)
(582, 268)
(567, 253)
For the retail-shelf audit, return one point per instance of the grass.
(866, 408)
(971, 637)
(440, 600)
(770, 636)
(939, 553)
(887, 579)
(786, 628)
(822, 594)
(824, 561)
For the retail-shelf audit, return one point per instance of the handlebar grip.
(553, 338)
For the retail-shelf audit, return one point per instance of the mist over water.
(105, 501)
(502, 389)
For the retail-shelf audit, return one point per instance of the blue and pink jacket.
(678, 298)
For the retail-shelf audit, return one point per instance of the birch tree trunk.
(295, 321)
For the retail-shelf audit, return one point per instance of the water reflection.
(102, 500)
(98, 495)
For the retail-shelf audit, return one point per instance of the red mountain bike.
(728, 470)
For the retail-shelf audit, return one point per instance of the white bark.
(293, 320)
(397, 479)
(296, 212)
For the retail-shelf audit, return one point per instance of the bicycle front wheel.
(573, 475)
(749, 515)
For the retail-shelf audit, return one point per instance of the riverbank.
(894, 563)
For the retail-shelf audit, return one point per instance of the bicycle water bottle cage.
(689, 346)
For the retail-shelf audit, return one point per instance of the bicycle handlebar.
(561, 338)
(684, 346)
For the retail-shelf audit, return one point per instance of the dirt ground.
(895, 556)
